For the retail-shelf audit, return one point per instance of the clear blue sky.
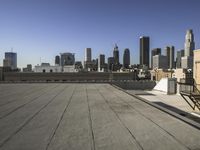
(43, 28)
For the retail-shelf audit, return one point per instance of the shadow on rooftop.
(178, 111)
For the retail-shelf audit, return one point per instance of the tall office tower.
(88, 58)
(88, 55)
(10, 60)
(178, 58)
(155, 51)
(144, 51)
(126, 58)
(101, 62)
(67, 59)
(189, 43)
(170, 56)
(110, 63)
(160, 62)
(57, 60)
(116, 55)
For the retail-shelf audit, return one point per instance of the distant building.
(110, 63)
(116, 55)
(70, 68)
(78, 65)
(187, 62)
(10, 60)
(160, 62)
(88, 58)
(126, 58)
(170, 56)
(67, 59)
(28, 68)
(88, 54)
(101, 63)
(46, 67)
(179, 55)
(57, 60)
(196, 70)
(189, 43)
(144, 51)
(155, 51)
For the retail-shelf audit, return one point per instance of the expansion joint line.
(153, 122)
(27, 121)
(137, 142)
(33, 99)
(93, 147)
(65, 110)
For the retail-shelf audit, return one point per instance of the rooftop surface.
(86, 117)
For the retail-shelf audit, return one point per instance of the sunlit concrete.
(85, 117)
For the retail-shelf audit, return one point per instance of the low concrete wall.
(60, 77)
(136, 85)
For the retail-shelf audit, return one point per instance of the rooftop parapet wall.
(93, 76)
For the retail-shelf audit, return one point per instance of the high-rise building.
(187, 62)
(170, 56)
(144, 51)
(116, 55)
(57, 60)
(189, 43)
(110, 63)
(155, 51)
(88, 58)
(160, 62)
(178, 58)
(101, 62)
(88, 54)
(10, 60)
(67, 59)
(126, 58)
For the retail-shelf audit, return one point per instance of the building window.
(44, 70)
(51, 70)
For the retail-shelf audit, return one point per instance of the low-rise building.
(46, 67)
(158, 74)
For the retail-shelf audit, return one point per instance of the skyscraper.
(57, 60)
(126, 58)
(116, 55)
(101, 62)
(170, 56)
(67, 59)
(110, 63)
(88, 58)
(88, 55)
(189, 43)
(160, 62)
(155, 51)
(144, 51)
(178, 58)
(10, 60)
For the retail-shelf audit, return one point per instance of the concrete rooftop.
(86, 117)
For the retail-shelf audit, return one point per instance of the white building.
(47, 68)
(69, 68)
(189, 43)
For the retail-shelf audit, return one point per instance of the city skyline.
(37, 31)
